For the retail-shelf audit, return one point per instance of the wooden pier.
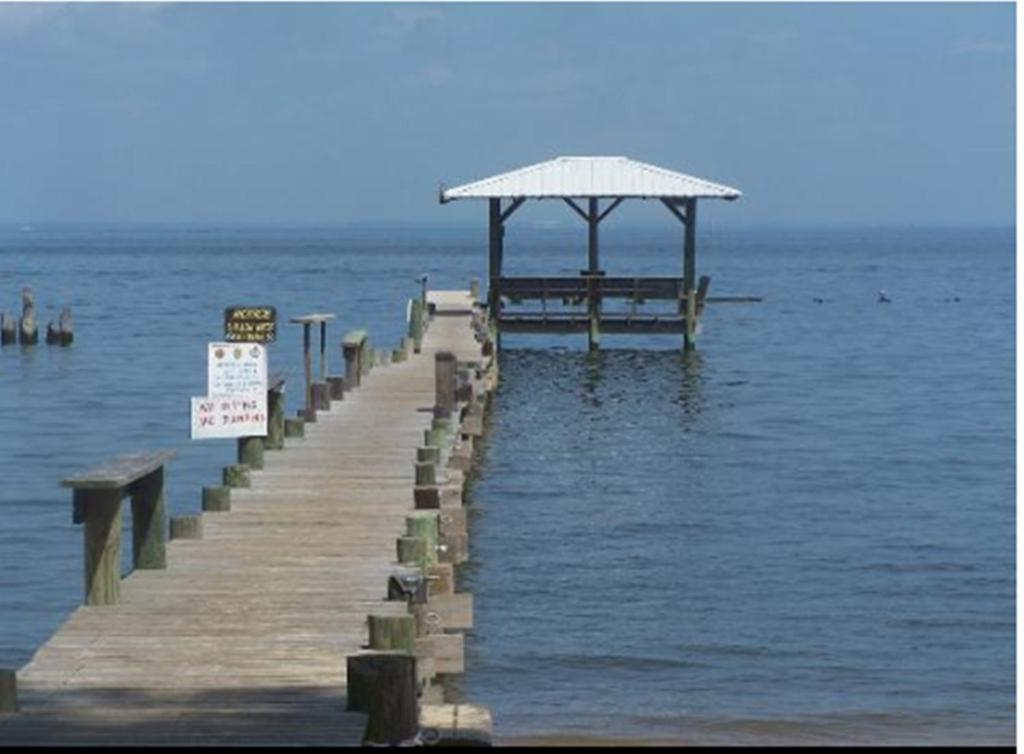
(243, 633)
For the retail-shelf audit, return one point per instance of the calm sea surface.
(804, 532)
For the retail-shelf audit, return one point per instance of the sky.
(324, 114)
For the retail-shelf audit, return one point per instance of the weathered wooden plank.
(120, 471)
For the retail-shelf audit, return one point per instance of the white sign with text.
(220, 416)
(236, 368)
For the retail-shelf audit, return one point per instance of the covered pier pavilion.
(584, 183)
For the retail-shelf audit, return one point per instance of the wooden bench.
(97, 496)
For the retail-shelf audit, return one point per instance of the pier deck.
(243, 638)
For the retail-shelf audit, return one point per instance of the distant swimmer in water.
(819, 300)
(883, 298)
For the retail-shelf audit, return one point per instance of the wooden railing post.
(354, 350)
(365, 356)
(352, 369)
(416, 324)
(383, 685)
(186, 527)
(275, 417)
(444, 384)
(250, 451)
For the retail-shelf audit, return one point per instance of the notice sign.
(236, 369)
(218, 416)
(250, 324)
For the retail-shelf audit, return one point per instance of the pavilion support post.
(690, 275)
(323, 351)
(494, 259)
(307, 362)
(593, 267)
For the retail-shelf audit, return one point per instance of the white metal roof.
(578, 177)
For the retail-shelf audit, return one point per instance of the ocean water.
(801, 533)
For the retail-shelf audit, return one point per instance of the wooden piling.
(432, 438)
(250, 451)
(321, 396)
(442, 429)
(8, 329)
(384, 686)
(9, 690)
(62, 333)
(424, 526)
(186, 527)
(275, 418)
(426, 474)
(354, 351)
(28, 328)
(366, 357)
(690, 275)
(216, 499)
(416, 324)
(428, 454)
(444, 384)
(392, 632)
(294, 427)
(66, 327)
(336, 388)
(412, 550)
(426, 497)
(237, 475)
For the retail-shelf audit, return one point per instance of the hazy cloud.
(981, 47)
(19, 19)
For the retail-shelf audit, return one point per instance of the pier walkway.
(243, 638)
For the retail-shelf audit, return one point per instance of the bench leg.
(101, 513)
(149, 527)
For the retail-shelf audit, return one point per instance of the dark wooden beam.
(593, 218)
(494, 257)
(576, 208)
(609, 208)
(516, 204)
(674, 209)
(593, 266)
(690, 274)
